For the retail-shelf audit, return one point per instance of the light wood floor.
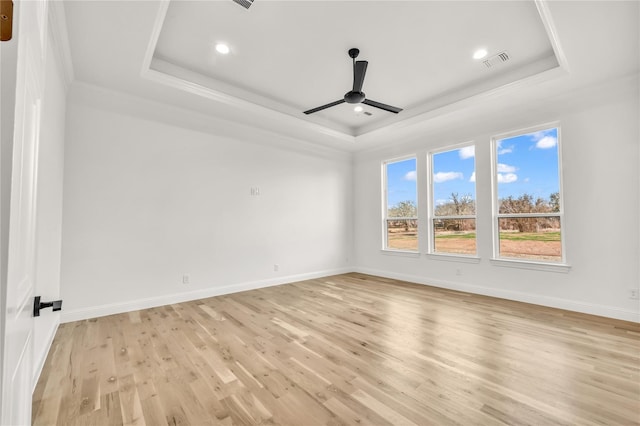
(347, 349)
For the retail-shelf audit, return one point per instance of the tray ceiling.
(290, 56)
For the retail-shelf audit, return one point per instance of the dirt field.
(456, 245)
(541, 250)
(403, 240)
(520, 249)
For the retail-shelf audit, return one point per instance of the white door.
(17, 386)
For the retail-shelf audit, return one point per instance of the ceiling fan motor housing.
(354, 97)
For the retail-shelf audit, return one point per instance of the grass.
(530, 236)
(465, 236)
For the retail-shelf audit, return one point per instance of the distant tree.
(554, 202)
(457, 205)
(526, 204)
(406, 208)
(456, 202)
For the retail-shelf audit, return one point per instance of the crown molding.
(121, 103)
(156, 70)
(171, 75)
(552, 33)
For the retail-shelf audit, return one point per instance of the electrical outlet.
(276, 267)
(185, 279)
(633, 293)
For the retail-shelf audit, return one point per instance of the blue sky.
(526, 164)
(454, 171)
(401, 182)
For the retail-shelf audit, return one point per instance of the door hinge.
(6, 19)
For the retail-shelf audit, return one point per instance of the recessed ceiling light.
(222, 48)
(358, 109)
(479, 54)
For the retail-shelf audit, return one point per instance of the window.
(453, 204)
(527, 196)
(400, 207)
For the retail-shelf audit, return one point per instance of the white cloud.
(473, 177)
(507, 177)
(440, 201)
(505, 168)
(467, 152)
(410, 175)
(445, 176)
(547, 142)
(501, 150)
(537, 135)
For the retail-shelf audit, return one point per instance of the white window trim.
(509, 262)
(401, 253)
(431, 253)
(497, 260)
(385, 249)
(454, 257)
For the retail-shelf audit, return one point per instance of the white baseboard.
(151, 302)
(39, 359)
(553, 302)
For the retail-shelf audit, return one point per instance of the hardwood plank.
(346, 349)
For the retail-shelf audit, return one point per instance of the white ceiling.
(290, 56)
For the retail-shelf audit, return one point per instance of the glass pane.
(454, 236)
(527, 173)
(402, 234)
(454, 182)
(533, 238)
(401, 189)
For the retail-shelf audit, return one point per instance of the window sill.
(452, 257)
(400, 253)
(537, 266)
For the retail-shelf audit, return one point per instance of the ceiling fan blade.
(359, 70)
(320, 108)
(244, 3)
(385, 107)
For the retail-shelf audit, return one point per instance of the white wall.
(49, 205)
(600, 139)
(146, 202)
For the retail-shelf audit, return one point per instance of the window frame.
(431, 202)
(561, 265)
(385, 203)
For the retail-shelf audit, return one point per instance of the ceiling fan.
(356, 95)
(244, 3)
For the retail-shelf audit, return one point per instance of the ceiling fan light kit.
(356, 95)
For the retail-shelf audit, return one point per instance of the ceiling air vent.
(244, 3)
(496, 59)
